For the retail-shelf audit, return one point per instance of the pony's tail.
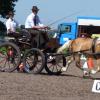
(64, 47)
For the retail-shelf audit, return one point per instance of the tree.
(2, 27)
(6, 6)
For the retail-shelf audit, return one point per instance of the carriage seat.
(22, 35)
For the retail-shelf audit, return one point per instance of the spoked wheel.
(34, 60)
(10, 57)
(54, 64)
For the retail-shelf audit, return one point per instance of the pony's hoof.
(86, 75)
(93, 71)
(63, 69)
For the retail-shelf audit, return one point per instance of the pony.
(82, 46)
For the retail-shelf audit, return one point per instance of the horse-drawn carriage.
(47, 57)
(56, 61)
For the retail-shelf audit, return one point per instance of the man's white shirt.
(29, 23)
(11, 24)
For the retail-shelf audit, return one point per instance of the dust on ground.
(67, 86)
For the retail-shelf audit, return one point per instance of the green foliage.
(2, 27)
(2, 30)
(6, 6)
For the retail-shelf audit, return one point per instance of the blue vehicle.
(67, 31)
(85, 26)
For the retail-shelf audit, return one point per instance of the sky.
(57, 11)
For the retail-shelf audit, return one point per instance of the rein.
(93, 45)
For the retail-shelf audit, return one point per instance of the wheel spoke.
(9, 56)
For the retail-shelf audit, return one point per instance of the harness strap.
(93, 45)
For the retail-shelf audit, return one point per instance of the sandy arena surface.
(67, 86)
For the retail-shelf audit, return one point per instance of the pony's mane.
(64, 46)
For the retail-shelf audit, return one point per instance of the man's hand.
(47, 27)
(41, 27)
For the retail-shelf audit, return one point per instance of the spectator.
(12, 25)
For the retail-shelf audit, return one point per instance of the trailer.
(84, 27)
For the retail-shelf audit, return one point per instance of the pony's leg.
(97, 57)
(93, 68)
(80, 66)
(77, 61)
(97, 68)
(69, 61)
(98, 64)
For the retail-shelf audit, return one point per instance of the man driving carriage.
(35, 27)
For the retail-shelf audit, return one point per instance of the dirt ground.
(67, 86)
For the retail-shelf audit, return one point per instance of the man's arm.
(8, 27)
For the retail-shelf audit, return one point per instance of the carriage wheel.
(10, 57)
(34, 60)
(54, 64)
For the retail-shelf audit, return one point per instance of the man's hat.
(35, 8)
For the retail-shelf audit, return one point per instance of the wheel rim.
(35, 60)
(8, 61)
(55, 65)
